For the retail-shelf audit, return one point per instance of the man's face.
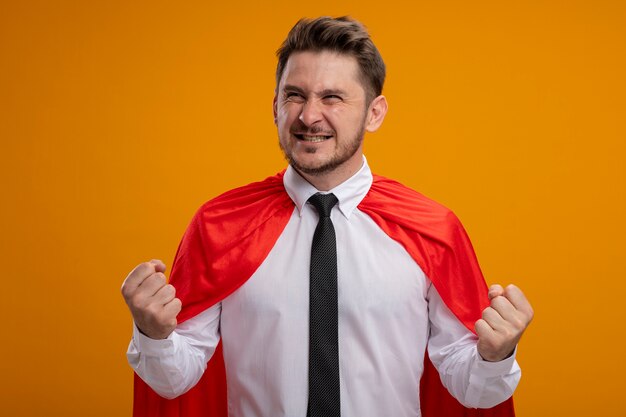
(320, 111)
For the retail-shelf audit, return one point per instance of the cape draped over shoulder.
(231, 235)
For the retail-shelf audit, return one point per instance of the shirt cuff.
(486, 369)
(490, 383)
(153, 347)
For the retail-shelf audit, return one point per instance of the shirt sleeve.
(452, 348)
(174, 365)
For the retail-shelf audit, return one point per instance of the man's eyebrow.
(323, 93)
(331, 92)
(293, 88)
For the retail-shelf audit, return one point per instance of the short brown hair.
(344, 35)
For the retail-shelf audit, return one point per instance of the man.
(325, 284)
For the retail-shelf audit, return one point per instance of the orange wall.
(119, 118)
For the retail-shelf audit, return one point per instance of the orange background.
(118, 119)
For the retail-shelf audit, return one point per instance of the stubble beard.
(341, 155)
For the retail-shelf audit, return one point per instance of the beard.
(342, 153)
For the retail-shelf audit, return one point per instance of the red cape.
(231, 235)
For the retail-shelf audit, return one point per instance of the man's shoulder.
(258, 199)
(269, 188)
(397, 196)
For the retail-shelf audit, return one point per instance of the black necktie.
(323, 329)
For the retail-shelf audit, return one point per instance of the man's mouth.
(312, 138)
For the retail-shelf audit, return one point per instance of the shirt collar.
(349, 193)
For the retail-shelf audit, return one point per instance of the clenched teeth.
(312, 138)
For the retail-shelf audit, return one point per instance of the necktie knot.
(323, 203)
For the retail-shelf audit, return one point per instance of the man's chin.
(313, 166)
(312, 169)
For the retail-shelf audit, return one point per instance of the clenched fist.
(503, 322)
(151, 300)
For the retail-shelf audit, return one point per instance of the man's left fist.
(503, 322)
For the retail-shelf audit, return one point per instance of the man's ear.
(274, 108)
(376, 113)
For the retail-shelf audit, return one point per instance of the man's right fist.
(151, 300)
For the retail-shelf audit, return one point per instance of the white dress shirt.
(389, 313)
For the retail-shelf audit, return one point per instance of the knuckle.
(479, 325)
(137, 300)
(501, 301)
(159, 277)
(511, 289)
(140, 271)
(160, 317)
(164, 296)
(150, 280)
(497, 301)
(144, 268)
(495, 289)
(126, 293)
(155, 280)
(507, 334)
(518, 323)
(154, 310)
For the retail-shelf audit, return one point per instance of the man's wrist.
(152, 347)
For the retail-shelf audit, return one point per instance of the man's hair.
(343, 35)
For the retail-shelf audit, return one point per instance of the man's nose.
(311, 112)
